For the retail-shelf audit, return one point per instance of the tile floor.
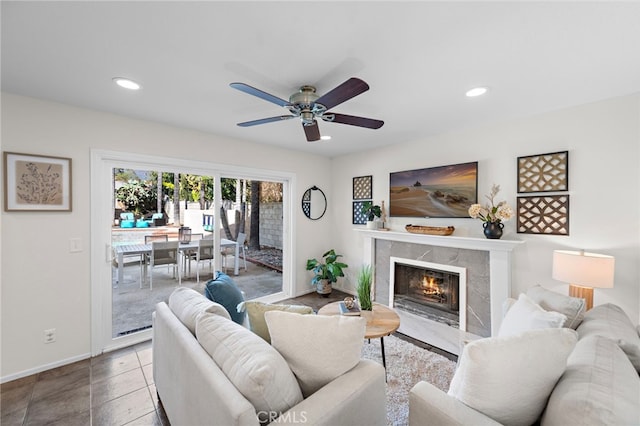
(115, 388)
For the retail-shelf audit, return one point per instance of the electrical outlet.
(50, 335)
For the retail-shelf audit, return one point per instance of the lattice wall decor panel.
(544, 172)
(362, 188)
(359, 218)
(543, 215)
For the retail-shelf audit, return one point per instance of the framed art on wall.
(36, 182)
(359, 218)
(544, 172)
(444, 191)
(544, 214)
(363, 187)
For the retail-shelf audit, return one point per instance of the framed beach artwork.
(36, 183)
(445, 191)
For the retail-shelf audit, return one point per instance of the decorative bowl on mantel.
(430, 230)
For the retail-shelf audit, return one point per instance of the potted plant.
(365, 277)
(371, 211)
(327, 272)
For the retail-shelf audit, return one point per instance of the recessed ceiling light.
(476, 91)
(325, 138)
(126, 83)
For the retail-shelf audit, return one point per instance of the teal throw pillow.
(221, 289)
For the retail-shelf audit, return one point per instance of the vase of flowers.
(492, 214)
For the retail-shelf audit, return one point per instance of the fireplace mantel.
(442, 241)
(499, 259)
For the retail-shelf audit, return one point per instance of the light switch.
(75, 245)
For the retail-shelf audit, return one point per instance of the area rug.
(407, 364)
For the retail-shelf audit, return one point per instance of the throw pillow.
(573, 307)
(255, 312)
(255, 368)
(187, 304)
(223, 290)
(510, 378)
(526, 315)
(318, 348)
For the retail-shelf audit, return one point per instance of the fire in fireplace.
(427, 292)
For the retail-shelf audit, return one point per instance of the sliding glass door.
(140, 203)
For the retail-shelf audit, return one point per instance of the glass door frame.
(102, 164)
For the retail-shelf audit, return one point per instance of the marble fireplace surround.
(488, 266)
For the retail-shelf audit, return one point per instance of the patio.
(133, 306)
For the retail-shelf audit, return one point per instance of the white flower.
(504, 212)
(492, 212)
(476, 211)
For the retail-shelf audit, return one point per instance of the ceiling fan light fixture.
(476, 91)
(126, 83)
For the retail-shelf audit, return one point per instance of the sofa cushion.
(255, 312)
(223, 290)
(573, 307)
(318, 348)
(611, 321)
(510, 378)
(255, 368)
(599, 387)
(187, 304)
(527, 315)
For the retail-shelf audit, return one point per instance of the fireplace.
(430, 290)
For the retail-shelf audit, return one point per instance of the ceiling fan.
(308, 106)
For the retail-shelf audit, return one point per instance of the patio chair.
(204, 253)
(164, 253)
(231, 251)
(127, 220)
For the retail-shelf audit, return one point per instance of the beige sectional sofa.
(599, 386)
(249, 383)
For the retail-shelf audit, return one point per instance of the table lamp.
(583, 271)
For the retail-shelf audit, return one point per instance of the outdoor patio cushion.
(221, 289)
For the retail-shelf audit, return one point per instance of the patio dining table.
(123, 250)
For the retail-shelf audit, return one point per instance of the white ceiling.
(419, 58)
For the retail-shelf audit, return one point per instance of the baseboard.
(42, 368)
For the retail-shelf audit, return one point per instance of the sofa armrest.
(430, 405)
(355, 398)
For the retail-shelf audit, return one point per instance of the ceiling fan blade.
(265, 120)
(347, 90)
(259, 93)
(312, 132)
(352, 120)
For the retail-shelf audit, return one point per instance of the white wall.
(603, 141)
(43, 285)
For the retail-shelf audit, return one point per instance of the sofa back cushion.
(186, 304)
(611, 321)
(255, 368)
(599, 387)
(510, 378)
(572, 307)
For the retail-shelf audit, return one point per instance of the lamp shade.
(583, 269)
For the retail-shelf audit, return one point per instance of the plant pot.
(493, 230)
(324, 288)
(372, 224)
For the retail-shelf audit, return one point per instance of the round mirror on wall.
(314, 203)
